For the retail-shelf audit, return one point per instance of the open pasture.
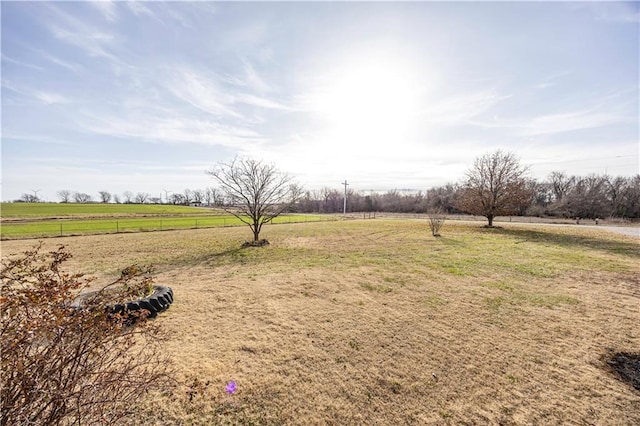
(79, 226)
(62, 210)
(377, 322)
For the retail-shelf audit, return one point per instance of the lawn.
(57, 210)
(78, 226)
(377, 322)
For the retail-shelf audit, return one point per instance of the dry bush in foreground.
(70, 363)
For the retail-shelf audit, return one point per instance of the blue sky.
(146, 96)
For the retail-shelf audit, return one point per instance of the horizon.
(147, 96)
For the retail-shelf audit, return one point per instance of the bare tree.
(81, 197)
(105, 196)
(443, 198)
(187, 196)
(256, 192)
(217, 197)
(495, 185)
(29, 198)
(116, 199)
(64, 195)
(209, 196)
(141, 197)
(561, 184)
(128, 197)
(197, 195)
(176, 199)
(332, 200)
(588, 197)
(630, 205)
(615, 190)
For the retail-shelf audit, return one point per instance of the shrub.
(436, 220)
(65, 361)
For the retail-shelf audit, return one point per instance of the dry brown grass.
(377, 322)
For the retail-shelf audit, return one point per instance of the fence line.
(89, 227)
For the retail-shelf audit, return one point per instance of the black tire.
(166, 292)
(159, 307)
(116, 309)
(146, 305)
(133, 306)
(162, 298)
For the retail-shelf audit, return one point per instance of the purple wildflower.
(231, 387)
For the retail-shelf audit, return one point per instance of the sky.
(147, 96)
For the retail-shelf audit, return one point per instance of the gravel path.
(631, 231)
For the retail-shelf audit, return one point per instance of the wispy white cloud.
(34, 136)
(211, 93)
(33, 95)
(21, 63)
(570, 121)
(550, 81)
(253, 80)
(107, 8)
(202, 92)
(462, 109)
(170, 129)
(92, 42)
(49, 98)
(176, 16)
(62, 63)
(82, 34)
(261, 102)
(139, 8)
(249, 80)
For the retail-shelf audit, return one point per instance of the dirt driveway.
(632, 231)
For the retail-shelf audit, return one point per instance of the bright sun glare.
(371, 102)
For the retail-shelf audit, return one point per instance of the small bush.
(65, 361)
(436, 221)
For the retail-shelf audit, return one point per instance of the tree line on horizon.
(559, 195)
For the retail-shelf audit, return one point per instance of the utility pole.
(35, 195)
(166, 196)
(345, 197)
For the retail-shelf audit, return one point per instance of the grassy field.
(76, 226)
(377, 322)
(57, 210)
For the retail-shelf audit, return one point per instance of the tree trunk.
(256, 230)
(490, 219)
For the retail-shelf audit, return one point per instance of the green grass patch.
(434, 300)
(499, 285)
(51, 210)
(65, 227)
(550, 300)
(377, 288)
(520, 299)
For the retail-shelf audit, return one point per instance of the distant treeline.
(560, 195)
